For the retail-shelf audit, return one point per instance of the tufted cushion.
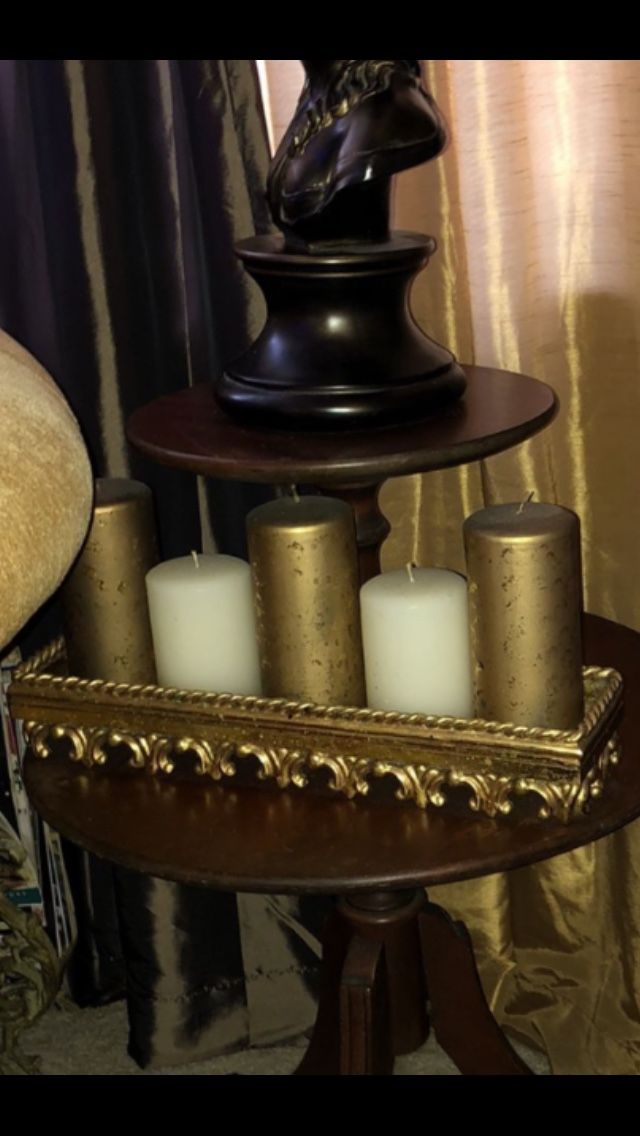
(46, 487)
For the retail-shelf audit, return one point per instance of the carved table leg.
(373, 998)
(322, 1058)
(390, 918)
(365, 1035)
(462, 1020)
(352, 1034)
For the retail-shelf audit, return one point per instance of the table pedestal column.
(372, 527)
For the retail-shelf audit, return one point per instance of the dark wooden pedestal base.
(340, 349)
(386, 954)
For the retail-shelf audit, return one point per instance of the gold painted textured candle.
(305, 573)
(525, 601)
(106, 619)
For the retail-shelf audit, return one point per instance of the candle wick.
(195, 558)
(294, 493)
(410, 574)
(526, 502)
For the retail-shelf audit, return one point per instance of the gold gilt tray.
(434, 762)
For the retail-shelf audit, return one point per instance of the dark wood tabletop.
(290, 841)
(188, 430)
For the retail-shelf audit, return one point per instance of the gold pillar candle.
(525, 600)
(305, 572)
(106, 618)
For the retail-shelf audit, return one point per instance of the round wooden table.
(385, 941)
(189, 430)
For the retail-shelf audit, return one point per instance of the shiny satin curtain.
(536, 210)
(123, 186)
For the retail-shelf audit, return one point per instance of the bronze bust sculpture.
(340, 348)
(357, 122)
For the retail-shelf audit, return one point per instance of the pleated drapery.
(536, 210)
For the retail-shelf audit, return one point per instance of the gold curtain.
(537, 216)
(536, 210)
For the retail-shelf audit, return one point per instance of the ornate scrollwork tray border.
(426, 756)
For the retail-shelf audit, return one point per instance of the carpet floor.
(71, 1042)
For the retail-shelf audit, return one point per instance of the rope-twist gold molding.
(32, 672)
(427, 757)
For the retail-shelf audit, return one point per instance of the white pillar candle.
(203, 624)
(415, 630)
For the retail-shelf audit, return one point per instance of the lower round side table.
(387, 951)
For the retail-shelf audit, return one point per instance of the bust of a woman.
(358, 122)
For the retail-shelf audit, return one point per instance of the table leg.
(462, 1020)
(352, 1035)
(322, 1058)
(365, 1033)
(390, 918)
(373, 996)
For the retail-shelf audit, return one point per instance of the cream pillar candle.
(525, 600)
(203, 625)
(415, 632)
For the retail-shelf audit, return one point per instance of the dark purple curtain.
(123, 186)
